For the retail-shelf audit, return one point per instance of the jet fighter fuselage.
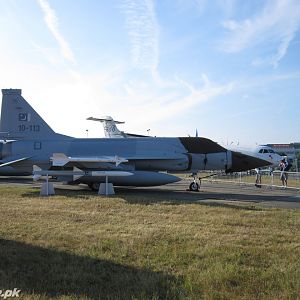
(33, 142)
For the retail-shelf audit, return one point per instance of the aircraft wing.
(9, 163)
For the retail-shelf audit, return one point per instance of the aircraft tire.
(94, 186)
(194, 187)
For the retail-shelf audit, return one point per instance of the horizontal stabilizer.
(104, 119)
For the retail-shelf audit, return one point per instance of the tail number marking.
(30, 128)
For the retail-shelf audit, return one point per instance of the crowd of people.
(283, 167)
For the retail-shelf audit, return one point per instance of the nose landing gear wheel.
(194, 187)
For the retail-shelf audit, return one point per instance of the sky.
(228, 68)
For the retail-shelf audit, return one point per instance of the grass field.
(145, 245)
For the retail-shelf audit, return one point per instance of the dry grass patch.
(145, 245)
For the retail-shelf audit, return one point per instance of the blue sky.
(229, 68)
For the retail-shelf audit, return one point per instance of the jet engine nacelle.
(210, 161)
(173, 165)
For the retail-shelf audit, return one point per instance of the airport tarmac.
(213, 193)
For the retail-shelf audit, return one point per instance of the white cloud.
(143, 31)
(65, 99)
(275, 25)
(193, 97)
(148, 104)
(52, 24)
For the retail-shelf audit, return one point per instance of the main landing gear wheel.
(94, 186)
(194, 187)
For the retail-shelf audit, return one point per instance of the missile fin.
(59, 159)
(77, 176)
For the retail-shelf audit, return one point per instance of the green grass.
(145, 245)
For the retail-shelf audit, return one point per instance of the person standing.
(258, 177)
(283, 172)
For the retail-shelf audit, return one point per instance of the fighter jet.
(35, 149)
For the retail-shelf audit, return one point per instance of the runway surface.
(226, 194)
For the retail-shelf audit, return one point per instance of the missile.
(139, 178)
(76, 173)
(60, 159)
(120, 178)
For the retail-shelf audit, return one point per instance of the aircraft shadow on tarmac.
(18, 180)
(33, 269)
(148, 196)
(152, 196)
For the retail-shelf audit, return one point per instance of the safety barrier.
(268, 179)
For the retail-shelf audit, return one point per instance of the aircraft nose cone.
(242, 162)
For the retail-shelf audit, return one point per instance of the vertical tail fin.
(109, 126)
(19, 120)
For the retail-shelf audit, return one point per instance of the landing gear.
(94, 186)
(194, 186)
